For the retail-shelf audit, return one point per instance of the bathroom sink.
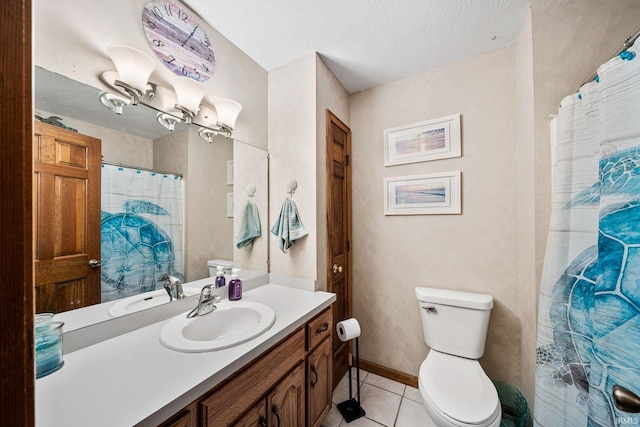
(145, 300)
(232, 323)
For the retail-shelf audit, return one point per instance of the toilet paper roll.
(348, 329)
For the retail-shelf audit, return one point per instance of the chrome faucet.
(206, 302)
(174, 288)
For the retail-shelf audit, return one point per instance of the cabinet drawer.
(319, 328)
(234, 397)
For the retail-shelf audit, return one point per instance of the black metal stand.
(351, 409)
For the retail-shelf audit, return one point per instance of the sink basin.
(232, 323)
(145, 300)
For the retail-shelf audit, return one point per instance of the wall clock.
(178, 39)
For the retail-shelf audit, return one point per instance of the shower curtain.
(141, 231)
(589, 312)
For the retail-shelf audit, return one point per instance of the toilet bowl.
(455, 390)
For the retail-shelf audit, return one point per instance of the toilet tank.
(213, 264)
(454, 322)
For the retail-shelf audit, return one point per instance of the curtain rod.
(626, 45)
(104, 162)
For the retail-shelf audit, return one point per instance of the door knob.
(337, 268)
(626, 400)
(95, 263)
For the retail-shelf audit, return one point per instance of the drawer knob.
(323, 328)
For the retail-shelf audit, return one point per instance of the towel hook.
(251, 190)
(292, 185)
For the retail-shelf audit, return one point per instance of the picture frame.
(229, 172)
(423, 141)
(230, 207)
(426, 194)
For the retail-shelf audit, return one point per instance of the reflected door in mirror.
(66, 201)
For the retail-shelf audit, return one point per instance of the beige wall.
(475, 251)
(292, 151)
(526, 205)
(330, 95)
(299, 95)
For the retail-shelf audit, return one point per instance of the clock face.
(178, 39)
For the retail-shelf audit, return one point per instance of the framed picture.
(431, 194)
(229, 205)
(229, 172)
(423, 141)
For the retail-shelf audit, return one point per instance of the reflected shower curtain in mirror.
(589, 312)
(141, 231)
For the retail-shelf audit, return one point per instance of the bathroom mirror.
(216, 174)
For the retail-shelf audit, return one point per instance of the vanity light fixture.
(113, 102)
(134, 69)
(167, 120)
(132, 85)
(228, 111)
(222, 120)
(190, 94)
(207, 134)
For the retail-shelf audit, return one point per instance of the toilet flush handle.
(430, 309)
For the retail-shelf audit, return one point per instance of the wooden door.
(66, 200)
(286, 402)
(339, 233)
(319, 383)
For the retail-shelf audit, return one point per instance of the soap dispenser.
(220, 280)
(235, 285)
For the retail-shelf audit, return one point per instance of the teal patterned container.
(515, 409)
(48, 348)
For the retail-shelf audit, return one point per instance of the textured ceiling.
(365, 43)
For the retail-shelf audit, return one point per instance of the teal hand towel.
(288, 226)
(249, 227)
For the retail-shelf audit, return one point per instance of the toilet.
(455, 390)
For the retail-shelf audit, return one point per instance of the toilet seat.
(458, 391)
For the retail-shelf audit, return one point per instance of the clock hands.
(190, 35)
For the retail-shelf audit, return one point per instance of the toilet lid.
(459, 388)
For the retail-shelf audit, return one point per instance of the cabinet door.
(319, 383)
(286, 401)
(255, 417)
(183, 419)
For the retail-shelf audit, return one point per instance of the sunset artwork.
(423, 141)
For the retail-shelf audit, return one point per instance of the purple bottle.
(235, 285)
(220, 280)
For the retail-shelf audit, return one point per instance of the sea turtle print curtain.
(141, 231)
(589, 311)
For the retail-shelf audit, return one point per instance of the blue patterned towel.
(249, 227)
(288, 227)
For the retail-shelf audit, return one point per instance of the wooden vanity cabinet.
(319, 368)
(289, 386)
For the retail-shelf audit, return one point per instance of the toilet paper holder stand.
(351, 409)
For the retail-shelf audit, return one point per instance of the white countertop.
(133, 379)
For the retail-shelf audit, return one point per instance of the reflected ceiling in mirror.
(57, 94)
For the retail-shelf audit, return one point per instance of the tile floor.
(386, 403)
